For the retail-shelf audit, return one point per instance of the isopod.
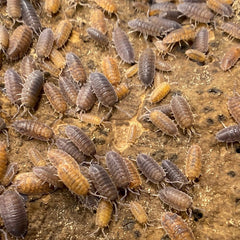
(107, 5)
(81, 140)
(103, 89)
(232, 29)
(196, 55)
(234, 107)
(98, 20)
(138, 212)
(229, 134)
(131, 71)
(159, 92)
(13, 85)
(193, 162)
(123, 46)
(28, 65)
(146, 67)
(164, 25)
(33, 129)
(98, 36)
(13, 213)
(150, 168)
(122, 90)
(19, 42)
(3, 160)
(174, 175)
(230, 58)
(220, 8)
(45, 43)
(132, 133)
(52, 6)
(76, 68)
(55, 97)
(50, 68)
(62, 33)
(57, 58)
(90, 119)
(175, 198)
(176, 227)
(156, 8)
(10, 173)
(201, 40)
(102, 182)
(36, 157)
(4, 38)
(14, 9)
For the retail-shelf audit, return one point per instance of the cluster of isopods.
(96, 187)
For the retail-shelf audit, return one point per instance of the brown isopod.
(232, 29)
(135, 179)
(193, 162)
(28, 65)
(175, 199)
(201, 40)
(13, 213)
(55, 97)
(122, 90)
(90, 119)
(118, 169)
(103, 216)
(181, 34)
(4, 38)
(132, 133)
(150, 168)
(86, 98)
(103, 89)
(30, 17)
(73, 179)
(62, 33)
(163, 66)
(110, 70)
(28, 183)
(176, 227)
(98, 36)
(182, 113)
(234, 107)
(52, 6)
(230, 58)
(102, 182)
(123, 46)
(10, 173)
(68, 89)
(13, 85)
(174, 175)
(76, 68)
(196, 11)
(196, 55)
(19, 42)
(107, 5)
(138, 212)
(163, 123)
(48, 174)
(33, 129)
(81, 140)
(3, 160)
(98, 20)
(32, 89)
(146, 67)
(57, 58)
(49, 67)
(159, 92)
(14, 9)
(140, 7)
(220, 8)
(131, 71)
(229, 134)
(67, 146)
(36, 157)
(45, 43)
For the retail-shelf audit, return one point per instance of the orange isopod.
(4, 38)
(138, 212)
(57, 58)
(110, 70)
(52, 6)
(3, 159)
(160, 92)
(196, 55)
(193, 162)
(230, 58)
(98, 20)
(90, 118)
(11, 171)
(122, 90)
(133, 70)
(49, 67)
(36, 158)
(107, 5)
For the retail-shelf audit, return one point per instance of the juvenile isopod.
(90, 119)
(62, 33)
(102, 182)
(122, 90)
(81, 140)
(193, 162)
(175, 199)
(36, 157)
(174, 175)
(123, 46)
(52, 6)
(19, 42)
(146, 67)
(10, 173)
(159, 92)
(3, 160)
(150, 168)
(230, 58)
(103, 89)
(131, 71)
(132, 133)
(33, 129)
(28, 183)
(98, 36)
(182, 113)
(176, 227)
(110, 70)
(76, 68)
(229, 134)
(13, 213)
(196, 55)
(55, 97)
(13, 85)
(86, 98)
(45, 43)
(138, 212)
